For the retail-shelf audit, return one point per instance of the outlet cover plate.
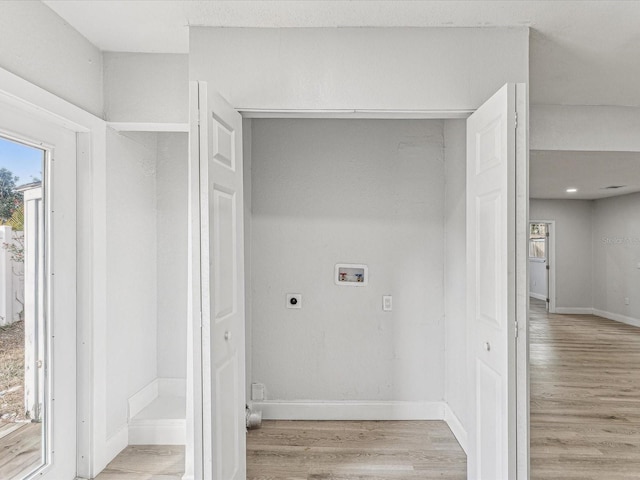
(294, 300)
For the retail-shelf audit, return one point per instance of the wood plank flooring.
(585, 397)
(358, 450)
(585, 423)
(20, 449)
(146, 462)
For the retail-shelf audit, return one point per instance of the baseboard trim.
(574, 310)
(617, 317)
(351, 410)
(140, 400)
(538, 296)
(160, 387)
(456, 426)
(115, 444)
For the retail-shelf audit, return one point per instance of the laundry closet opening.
(388, 195)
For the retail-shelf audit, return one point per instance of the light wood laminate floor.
(146, 462)
(585, 397)
(20, 449)
(357, 450)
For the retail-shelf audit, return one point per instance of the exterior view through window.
(23, 344)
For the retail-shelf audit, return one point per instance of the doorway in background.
(542, 263)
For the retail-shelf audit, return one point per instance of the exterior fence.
(11, 278)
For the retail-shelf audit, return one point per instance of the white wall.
(574, 252)
(39, 46)
(131, 271)
(146, 87)
(358, 68)
(616, 255)
(455, 268)
(598, 128)
(358, 191)
(171, 221)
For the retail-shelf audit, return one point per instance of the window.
(538, 233)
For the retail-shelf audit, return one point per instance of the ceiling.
(552, 172)
(582, 52)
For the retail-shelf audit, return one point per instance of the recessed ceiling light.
(572, 190)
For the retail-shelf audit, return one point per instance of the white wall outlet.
(387, 303)
(294, 300)
(626, 300)
(257, 392)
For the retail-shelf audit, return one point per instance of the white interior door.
(496, 164)
(54, 297)
(222, 287)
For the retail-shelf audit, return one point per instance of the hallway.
(585, 397)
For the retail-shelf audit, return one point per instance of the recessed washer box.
(351, 274)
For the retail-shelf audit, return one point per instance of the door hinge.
(548, 267)
(516, 120)
(548, 300)
(516, 332)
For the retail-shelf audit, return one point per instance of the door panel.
(492, 288)
(222, 288)
(50, 224)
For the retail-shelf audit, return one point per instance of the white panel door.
(222, 288)
(493, 171)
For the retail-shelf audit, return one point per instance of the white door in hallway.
(496, 188)
(221, 287)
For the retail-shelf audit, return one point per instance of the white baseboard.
(456, 427)
(158, 432)
(617, 317)
(538, 296)
(350, 410)
(574, 310)
(140, 400)
(115, 444)
(173, 387)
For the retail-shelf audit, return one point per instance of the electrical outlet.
(294, 300)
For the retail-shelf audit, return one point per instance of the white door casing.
(222, 288)
(59, 278)
(495, 288)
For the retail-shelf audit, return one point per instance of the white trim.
(617, 317)
(574, 310)
(455, 425)
(355, 113)
(93, 446)
(148, 127)
(142, 399)
(117, 442)
(537, 296)
(350, 410)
